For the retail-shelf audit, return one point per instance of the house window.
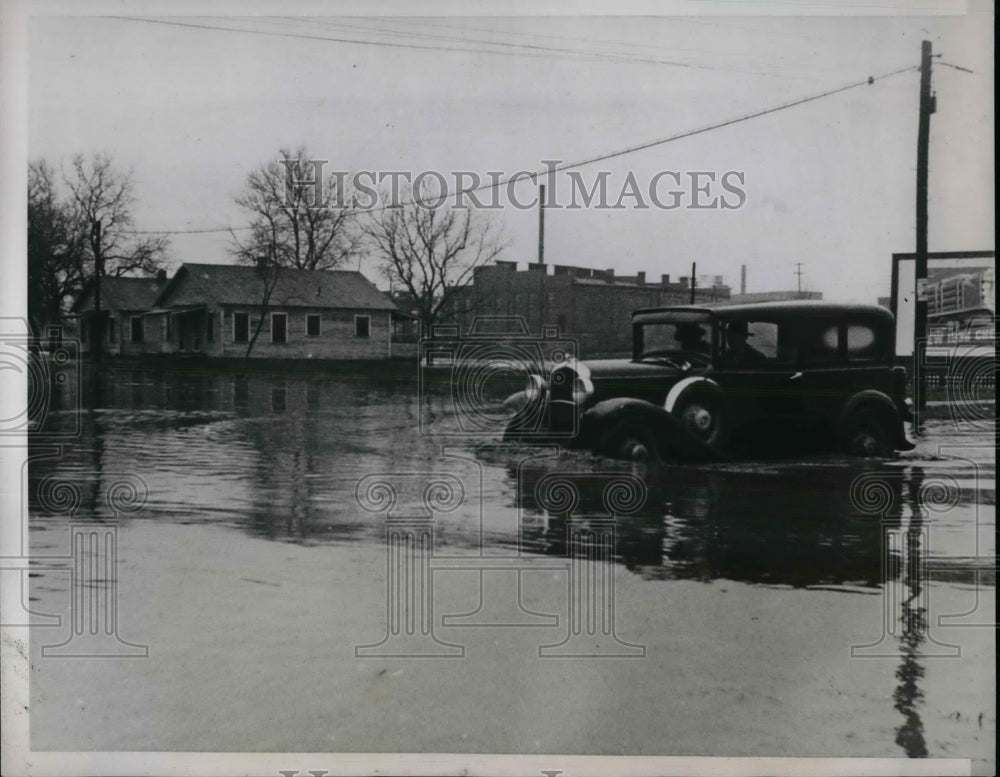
(279, 328)
(209, 328)
(136, 324)
(241, 327)
(312, 324)
(361, 326)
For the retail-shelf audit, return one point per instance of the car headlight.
(582, 389)
(534, 387)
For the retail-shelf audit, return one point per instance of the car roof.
(789, 308)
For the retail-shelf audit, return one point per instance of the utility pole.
(694, 268)
(541, 259)
(927, 107)
(798, 272)
(97, 330)
(743, 279)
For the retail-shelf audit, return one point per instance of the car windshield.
(674, 339)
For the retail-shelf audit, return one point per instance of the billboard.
(961, 305)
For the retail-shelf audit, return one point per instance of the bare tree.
(297, 220)
(62, 243)
(432, 252)
(54, 262)
(98, 192)
(268, 270)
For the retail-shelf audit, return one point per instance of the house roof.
(228, 284)
(120, 294)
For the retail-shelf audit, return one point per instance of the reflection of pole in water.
(908, 696)
(880, 493)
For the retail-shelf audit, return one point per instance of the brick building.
(592, 306)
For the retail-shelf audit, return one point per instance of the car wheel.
(866, 433)
(632, 440)
(703, 414)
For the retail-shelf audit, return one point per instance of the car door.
(761, 391)
(820, 381)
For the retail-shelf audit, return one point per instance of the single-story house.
(123, 303)
(216, 310)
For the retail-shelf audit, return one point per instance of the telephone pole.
(927, 107)
(798, 272)
(541, 260)
(694, 267)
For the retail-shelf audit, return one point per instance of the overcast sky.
(830, 183)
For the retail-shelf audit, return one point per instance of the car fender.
(874, 398)
(605, 414)
(683, 386)
(613, 409)
(868, 397)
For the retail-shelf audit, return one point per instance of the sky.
(828, 186)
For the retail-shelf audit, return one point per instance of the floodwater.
(849, 602)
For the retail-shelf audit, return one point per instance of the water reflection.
(795, 525)
(908, 696)
(279, 457)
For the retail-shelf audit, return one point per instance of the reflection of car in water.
(799, 525)
(709, 381)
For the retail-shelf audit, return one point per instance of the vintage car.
(714, 381)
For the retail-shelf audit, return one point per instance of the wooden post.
(920, 314)
(541, 260)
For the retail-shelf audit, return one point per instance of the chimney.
(665, 280)
(640, 277)
(161, 276)
(609, 275)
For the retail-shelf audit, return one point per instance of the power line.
(542, 52)
(690, 133)
(526, 50)
(607, 56)
(621, 152)
(626, 44)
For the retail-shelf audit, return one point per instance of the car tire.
(866, 432)
(704, 415)
(632, 440)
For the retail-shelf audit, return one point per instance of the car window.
(862, 342)
(759, 348)
(820, 342)
(676, 337)
(764, 337)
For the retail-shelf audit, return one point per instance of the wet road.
(316, 461)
